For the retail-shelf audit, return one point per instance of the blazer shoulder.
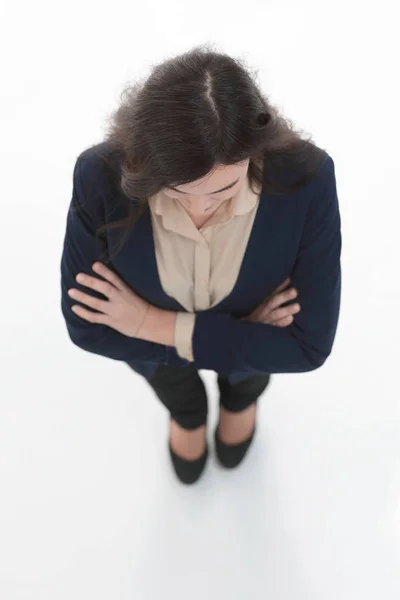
(319, 165)
(99, 169)
(98, 158)
(325, 176)
(296, 168)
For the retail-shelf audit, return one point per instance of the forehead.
(220, 176)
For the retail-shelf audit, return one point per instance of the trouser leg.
(183, 393)
(237, 397)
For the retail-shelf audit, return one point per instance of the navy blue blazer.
(296, 234)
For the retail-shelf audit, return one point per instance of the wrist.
(158, 326)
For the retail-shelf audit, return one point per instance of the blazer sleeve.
(224, 344)
(81, 248)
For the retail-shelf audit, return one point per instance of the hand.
(124, 310)
(269, 313)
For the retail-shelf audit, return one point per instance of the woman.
(195, 230)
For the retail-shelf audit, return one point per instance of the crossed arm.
(217, 340)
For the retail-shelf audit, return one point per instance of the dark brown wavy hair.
(193, 111)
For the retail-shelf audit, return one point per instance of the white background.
(89, 505)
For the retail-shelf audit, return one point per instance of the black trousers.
(183, 393)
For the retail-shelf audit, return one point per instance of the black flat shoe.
(231, 455)
(188, 471)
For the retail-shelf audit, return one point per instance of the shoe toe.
(188, 471)
(231, 455)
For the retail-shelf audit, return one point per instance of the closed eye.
(212, 193)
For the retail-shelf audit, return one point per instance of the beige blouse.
(199, 266)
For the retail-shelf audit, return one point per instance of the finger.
(104, 287)
(96, 303)
(283, 285)
(92, 317)
(112, 277)
(283, 322)
(281, 313)
(281, 298)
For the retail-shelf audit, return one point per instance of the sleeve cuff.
(184, 334)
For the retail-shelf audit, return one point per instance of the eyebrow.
(216, 192)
